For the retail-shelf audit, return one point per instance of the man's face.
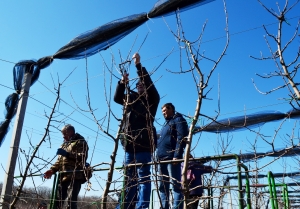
(67, 134)
(167, 112)
(140, 87)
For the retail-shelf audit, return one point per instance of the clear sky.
(34, 29)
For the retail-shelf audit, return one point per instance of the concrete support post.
(8, 181)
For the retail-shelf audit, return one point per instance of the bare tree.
(201, 82)
(286, 66)
(105, 130)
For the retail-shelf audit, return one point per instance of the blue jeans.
(138, 183)
(173, 171)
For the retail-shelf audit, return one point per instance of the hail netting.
(244, 122)
(89, 43)
(11, 102)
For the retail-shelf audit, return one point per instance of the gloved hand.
(48, 174)
(62, 152)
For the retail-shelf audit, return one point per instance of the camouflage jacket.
(76, 159)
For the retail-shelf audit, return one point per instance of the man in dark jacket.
(170, 146)
(139, 135)
(72, 157)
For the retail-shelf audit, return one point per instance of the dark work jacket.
(170, 143)
(195, 184)
(138, 129)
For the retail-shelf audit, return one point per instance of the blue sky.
(34, 29)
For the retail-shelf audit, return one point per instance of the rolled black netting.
(295, 176)
(100, 38)
(18, 75)
(35, 75)
(294, 113)
(279, 152)
(21, 68)
(44, 62)
(244, 122)
(166, 7)
(250, 156)
(284, 152)
(232, 156)
(11, 104)
(93, 41)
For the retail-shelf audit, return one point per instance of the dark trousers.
(67, 193)
(195, 204)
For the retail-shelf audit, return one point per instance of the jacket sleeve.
(80, 152)
(182, 131)
(119, 93)
(58, 163)
(56, 166)
(146, 79)
(206, 169)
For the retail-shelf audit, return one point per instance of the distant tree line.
(31, 197)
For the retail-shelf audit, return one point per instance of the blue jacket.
(170, 143)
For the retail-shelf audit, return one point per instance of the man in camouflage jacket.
(72, 157)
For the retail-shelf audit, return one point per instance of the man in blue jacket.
(170, 146)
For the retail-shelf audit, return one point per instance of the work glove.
(62, 152)
(48, 174)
